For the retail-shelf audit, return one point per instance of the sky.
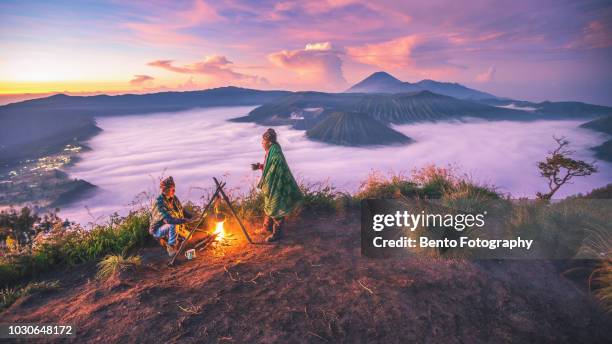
(531, 50)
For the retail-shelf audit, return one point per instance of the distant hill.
(427, 106)
(558, 109)
(382, 82)
(604, 125)
(604, 151)
(105, 105)
(29, 135)
(387, 108)
(354, 129)
(35, 127)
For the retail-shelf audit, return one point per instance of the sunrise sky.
(533, 50)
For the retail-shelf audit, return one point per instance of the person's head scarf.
(166, 184)
(270, 135)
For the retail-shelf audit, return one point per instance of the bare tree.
(559, 168)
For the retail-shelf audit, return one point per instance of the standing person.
(166, 213)
(281, 192)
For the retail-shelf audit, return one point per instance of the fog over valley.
(132, 152)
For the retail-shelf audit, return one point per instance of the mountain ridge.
(31, 128)
(399, 108)
(383, 82)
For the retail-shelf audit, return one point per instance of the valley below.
(127, 157)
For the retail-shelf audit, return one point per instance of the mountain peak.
(381, 75)
(377, 82)
(59, 95)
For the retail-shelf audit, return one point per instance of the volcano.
(355, 129)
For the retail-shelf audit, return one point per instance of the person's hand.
(256, 166)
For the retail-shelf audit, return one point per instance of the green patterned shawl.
(281, 192)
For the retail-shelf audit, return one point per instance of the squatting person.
(167, 213)
(281, 193)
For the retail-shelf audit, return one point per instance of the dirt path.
(315, 287)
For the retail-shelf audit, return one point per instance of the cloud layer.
(196, 145)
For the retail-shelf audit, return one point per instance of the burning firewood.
(219, 236)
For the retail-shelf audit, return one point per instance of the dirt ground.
(314, 287)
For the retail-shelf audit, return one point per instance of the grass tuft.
(113, 264)
(379, 186)
(320, 198)
(598, 244)
(8, 296)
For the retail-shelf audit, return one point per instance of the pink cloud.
(142, 80)
(318, 7)
(159, 34)
(391, 54)
(465, 38)
(322, 6)
(595, 34)
(318, 64)
(216, 67)
(312, 7)
(168, 29)
(486, 76)
(412, 56)
(189, 85)
(201, 12)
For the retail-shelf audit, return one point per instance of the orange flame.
(219, 230)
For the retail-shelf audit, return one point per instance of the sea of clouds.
(132, 152)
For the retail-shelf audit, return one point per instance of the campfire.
(219, 232)
(218, 235)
